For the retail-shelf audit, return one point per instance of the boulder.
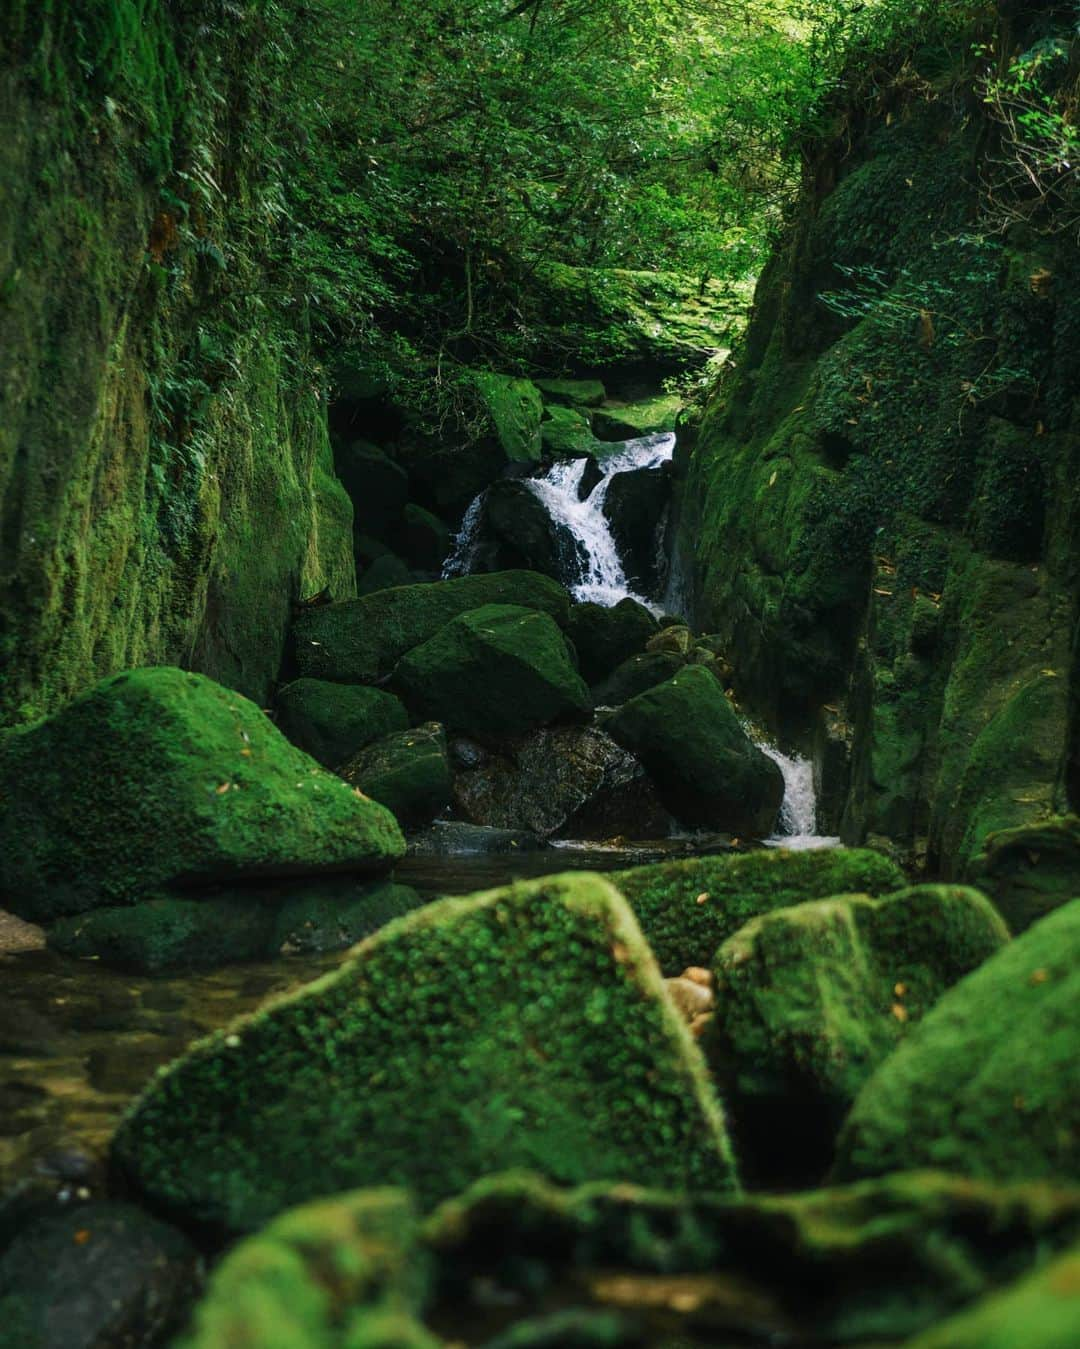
(407, 772)
(378, 487)
(687, 907)
(157, 778)
(567, 432)
(636, 675)
(360, 641)
(514, 408)
(572, 781)
(228, 928)
(1032, 870)
(629, 421)
(425, 539)
(332, 721)
(521, 1027)
(708, 771)
(577, 393)
(986, 1085)
(494, 673)
(605, 637)
(634, 508)
(386, 571)
(517, 531)
(674, 638)
(811, 999)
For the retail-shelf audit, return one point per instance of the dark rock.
(449, 838)
(517, 531)
(591, 477)
(1030, 871)
(425, 539)
(378, 487)
(635, 676)
(386, 571)
(406, 772)
(605, 637)
(634, 508)
(333, 721)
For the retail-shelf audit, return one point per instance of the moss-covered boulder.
(377, 486)
(567, 432)
(686, 908)
(628, 421)
(527, 1026)
(360, 641)
(157, 778)
(227, 928)
(606, 636)
(495, 672)
(514, 407)
(332, 721)
(407, 772)
(1030, 871)
(577, 393)
(986, 1085)
(693, 746)
(811, 999)
(334, 1274)
(425, 539)
(385, 571)
(637, 675)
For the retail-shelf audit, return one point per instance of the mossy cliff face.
(166, 479)
(882, 501)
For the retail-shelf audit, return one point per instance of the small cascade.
(798, 813)
(462, 555)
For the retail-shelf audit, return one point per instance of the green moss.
(637, 675)
(514, 407)
(579, 393)
(522, 1027)
(684, 929)
(605, 636)
(627, 421)
(332, 721)
(408, 773)
(985, 1085)
(159, 778)
(567, 431)
(494, 672)
(362, 640)
(1030, 871)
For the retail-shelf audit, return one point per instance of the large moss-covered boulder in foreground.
(408, 773)
(495, 672)
(1030, 871)
(157, 778)
(987, 1085)
(332, 721)
(686, 908)
(527, 1026)
(360, 641)
(810, 999)
(708, 770)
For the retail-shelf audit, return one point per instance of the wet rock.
(407, 772)
(1030, 871)
(360, 641)
(450, 838)
(605, 636)
(634, 507)
(494, 673)
(332, 721)
(986, 1085)
(707, 770)
(516, 531)
(18, 935)
(636, 675)
(157, 778)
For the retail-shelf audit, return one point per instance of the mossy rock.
(407, 772)
(637, 675)
(385, 571)
(687, 908)
(693, 746)
(986, 1085)
(576, 393)
(811, 999)
(377, 486)
(606, 636)
(425, 539)
(228, 928)
(158, 778)
(494, 673)
(629, 421)
(339, 1273)
(514, 408)
(332, 721)
(567, 432)
(1032, 870)
(527, 1026)
(1041, 1311)
(360, 641)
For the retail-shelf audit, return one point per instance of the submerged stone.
(527, 1026)
(407, 772)
(360, 641)
(495, 672)
(987, 1084)
(332, 721)
(690, 740)
(157, 779)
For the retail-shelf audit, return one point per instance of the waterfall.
(797, 825)
(462, 555)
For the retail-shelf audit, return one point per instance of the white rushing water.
(797, 825)
(462, 555)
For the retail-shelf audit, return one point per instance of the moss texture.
(627, 421)
(605, 636)
(687, 908)
(158, 778)
(1032, 870)
(514, 408)
(524, 1026)
(408, 773)
(986, 1084)
(331, 722)
(494, 673)
(637, 675)
(362, 640)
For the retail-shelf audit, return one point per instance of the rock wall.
(166, 482)
(882, 501)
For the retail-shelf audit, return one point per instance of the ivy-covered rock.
(157, 778)
(495, 672)
(527, 1026)
(606, 636)
(811, 999)
(687, 908)
(986, 1085)
(637, 675)
(407, 772)
(692, 745)
(227, 928)
(1031, 870)
(360, 641)
(332, 721)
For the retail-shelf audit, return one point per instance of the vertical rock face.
(166, 483)
(883, 501)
